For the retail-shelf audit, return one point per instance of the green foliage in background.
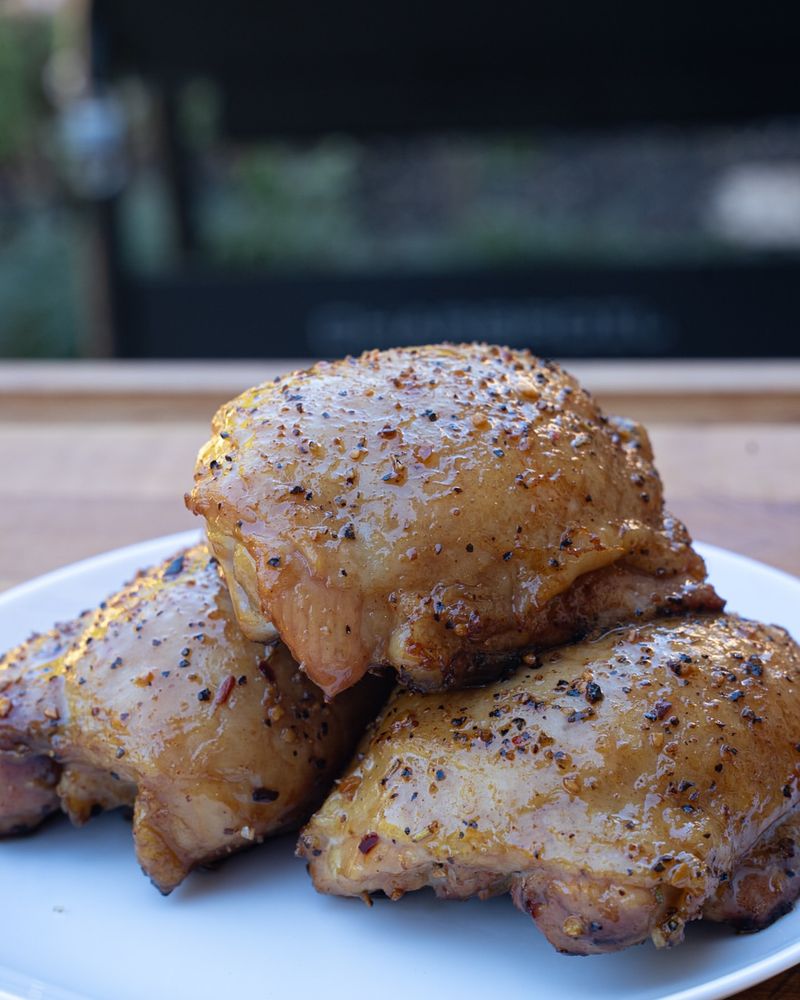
(38, 301)
(38, 318)
(283, 208)
(442, 203)
(24, 46)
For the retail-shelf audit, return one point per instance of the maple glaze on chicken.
(618, 789)
(157, 701)
(438, 509)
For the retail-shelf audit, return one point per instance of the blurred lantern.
(758, 205)
(93, 132)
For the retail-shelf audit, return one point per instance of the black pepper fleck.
(594, 692)
(175, 567)
(264, 795)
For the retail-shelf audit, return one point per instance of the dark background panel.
(305, 70)
(675, 312)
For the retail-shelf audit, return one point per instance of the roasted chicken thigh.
(158, 701)
(617, 788)
(440, 510)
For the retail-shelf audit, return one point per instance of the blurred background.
(260, 180)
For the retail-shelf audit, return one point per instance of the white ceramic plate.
(78, 919)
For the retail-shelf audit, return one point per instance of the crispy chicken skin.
(158, 701)
(437, 509)
(619, 788)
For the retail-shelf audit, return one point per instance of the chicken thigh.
(440, 510)
(158, 701)
(618, 788)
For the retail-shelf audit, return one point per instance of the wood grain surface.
(99, 454)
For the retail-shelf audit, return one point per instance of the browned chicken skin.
(28, 782)
(157, 700)
(27, 791)
(620, 788)
(439, 510)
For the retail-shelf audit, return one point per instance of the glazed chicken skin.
(157, 701)
(440, 510)
(620, 788)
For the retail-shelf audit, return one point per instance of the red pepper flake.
(367, 842)
(224, 690)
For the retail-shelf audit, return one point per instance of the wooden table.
(99, 454)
